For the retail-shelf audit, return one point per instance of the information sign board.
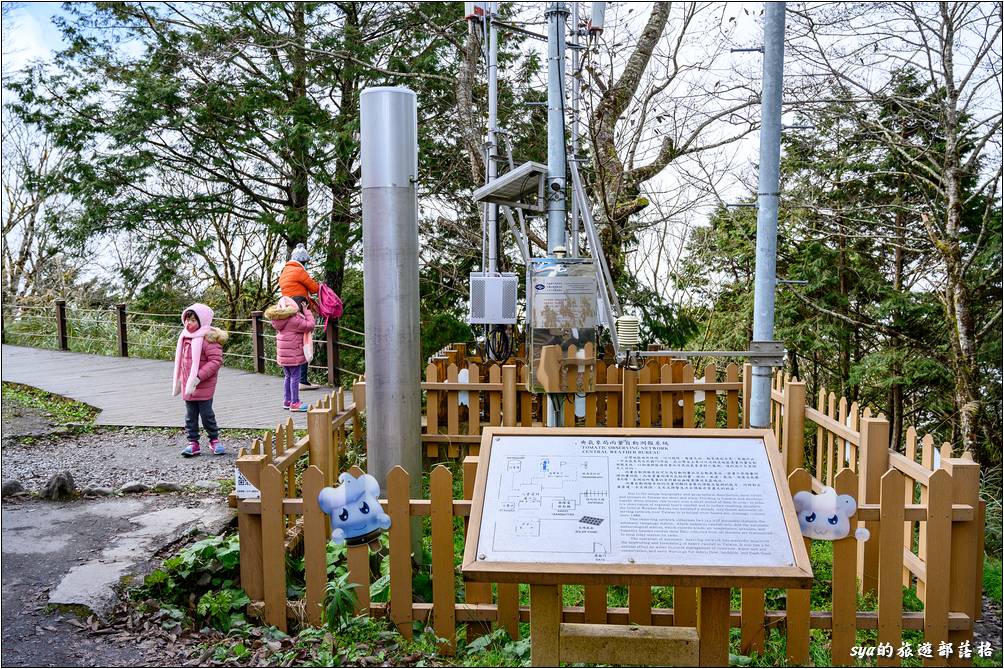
(688, 499)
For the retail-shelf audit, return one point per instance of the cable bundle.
(498, 342)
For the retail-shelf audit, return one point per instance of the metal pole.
(556, 14)
(493, 209)
(573, 247)
(766, 223)
(389, 158)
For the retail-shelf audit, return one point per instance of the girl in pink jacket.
(294, 327)
(197, 360)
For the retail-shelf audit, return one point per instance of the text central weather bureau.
(695, 509)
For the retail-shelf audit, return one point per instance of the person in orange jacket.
(295, 281)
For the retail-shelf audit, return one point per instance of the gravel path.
(46, 542)
(110, 458)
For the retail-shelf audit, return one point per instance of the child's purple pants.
(291, 385)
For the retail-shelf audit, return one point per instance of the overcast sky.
(28, 34)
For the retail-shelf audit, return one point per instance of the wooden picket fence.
(270, 465)
(900, 499)
(457, 410)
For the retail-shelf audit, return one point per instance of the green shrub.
(201, 581)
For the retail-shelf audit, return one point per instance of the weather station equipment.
(570, 294)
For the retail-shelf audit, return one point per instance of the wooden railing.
(119, 321)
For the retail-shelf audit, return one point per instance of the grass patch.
(993, 580)
(61, 410)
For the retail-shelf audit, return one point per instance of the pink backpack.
(329, 304)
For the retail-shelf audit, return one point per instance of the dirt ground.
(37, 634)
(77, 532)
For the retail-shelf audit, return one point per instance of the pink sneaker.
(191, 450)
(298, 407)
(216, 448)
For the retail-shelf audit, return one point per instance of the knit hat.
(300, 255)
(205, 317)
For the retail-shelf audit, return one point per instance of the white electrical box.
(493, 299)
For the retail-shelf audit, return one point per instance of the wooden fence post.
(629, 399)
(474, 592)
(495, 397)
(794, 425)
(120, 312)
(732, 397)
(890, 573)
(509, 395)
(713, 626)
(798, 602)
(443, 573)
(938, 558)
(319, 434)
(61, 336)
(257, 342)
(965, 564)
(329, 349)
(844, 598)
(398, 508)
(359, 394)
(874, 462)
(249, 529)
(315, 544)
(273, 535)
(358, 562)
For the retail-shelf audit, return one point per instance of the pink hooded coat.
(197, 381)
(293, 332)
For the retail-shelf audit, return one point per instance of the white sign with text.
(702, 501)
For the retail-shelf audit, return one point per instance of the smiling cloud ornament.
(826, 516)
(356, 515)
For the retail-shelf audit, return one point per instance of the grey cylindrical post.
(596, 22)
(766, 223)
(389, 159)
(556, 14)
(492, 165)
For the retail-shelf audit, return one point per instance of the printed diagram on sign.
(554, 504)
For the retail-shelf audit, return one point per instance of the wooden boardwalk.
(136, 391)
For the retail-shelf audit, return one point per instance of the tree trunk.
(896, 388)
(793, 365)
(468, 126)
(299, 191)
(619, 197)
(958, 301)
(844, 355)
(342, 234)
(339, 231)
(959, 313)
